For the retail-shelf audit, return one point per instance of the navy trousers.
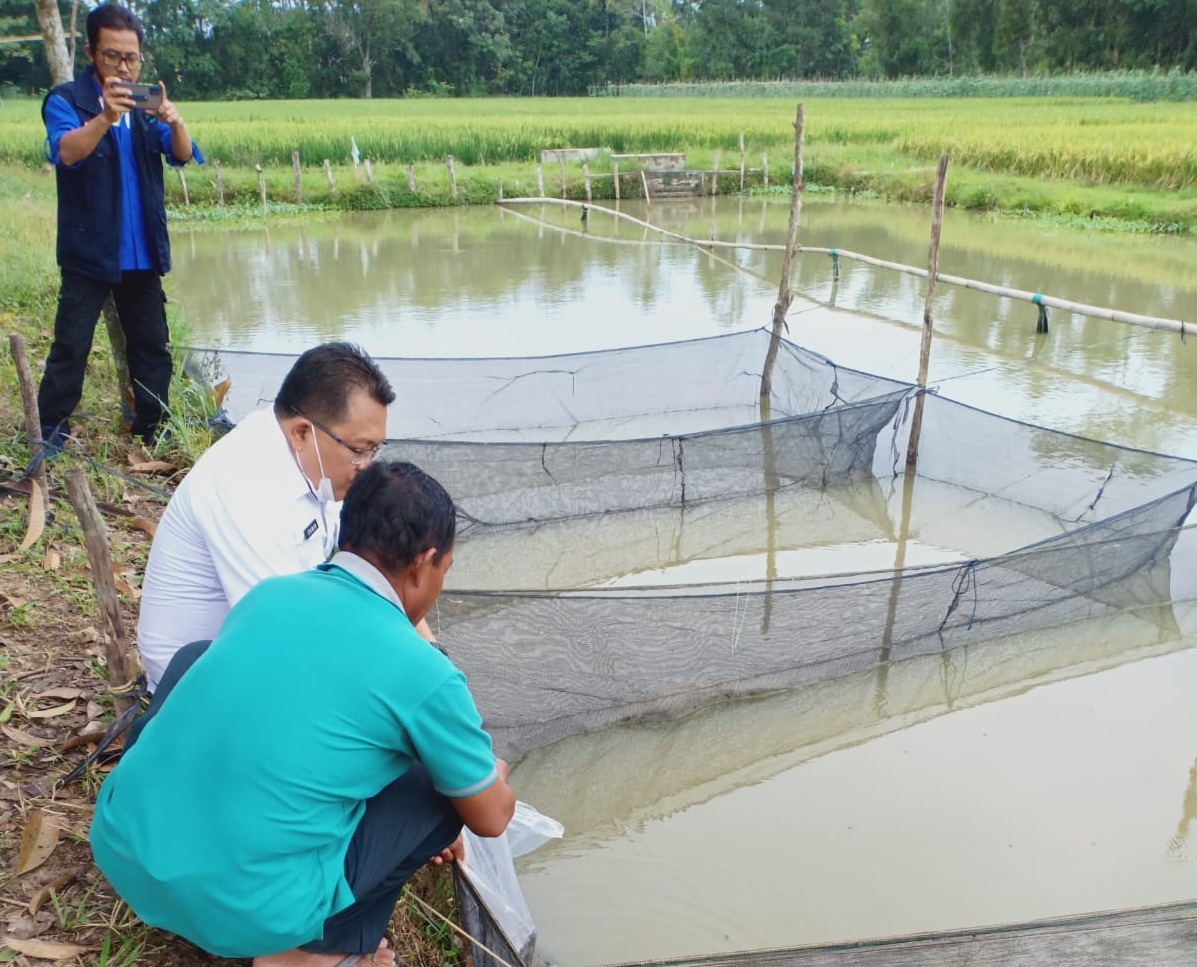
(141, 305)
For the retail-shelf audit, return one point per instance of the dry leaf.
(221, 390)
(37, 515)
(64, 693)
(45, 949)
(144, 524)
(37, 843)
(24, 738)
(11, 599)
(52, 561)
(49, 713)
(43, 894)
(153, 466)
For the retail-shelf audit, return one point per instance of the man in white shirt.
(264, 500)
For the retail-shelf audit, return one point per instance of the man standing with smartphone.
(112, 236)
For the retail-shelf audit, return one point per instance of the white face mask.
(324, 489)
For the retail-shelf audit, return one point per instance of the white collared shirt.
(243, 513)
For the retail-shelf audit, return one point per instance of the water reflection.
(488, 282)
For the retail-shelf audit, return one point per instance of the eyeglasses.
(361, 457)
(114, 58)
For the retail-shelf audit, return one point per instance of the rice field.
(1087, 140)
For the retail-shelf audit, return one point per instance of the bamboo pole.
(785, 294)
(183, 185)
(411, 179)
(101, 575)
(916, 426)
(332, 184)
(715, 170)
(615, 175)
(741, 161)
(540, 180)
(586, 177)
(261, 186)
(369, 171)
(500, 187)
(644, 181)
(298, 171)
(1037, 298)
(219, 182)
(765, 168)
(39, 495)
(453, 175)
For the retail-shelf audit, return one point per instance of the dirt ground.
(54, 708)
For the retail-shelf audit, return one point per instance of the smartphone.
(147, 96)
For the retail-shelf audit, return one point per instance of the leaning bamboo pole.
(785, 294)
(1036, 298)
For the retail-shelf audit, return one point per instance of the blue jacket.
(89, 194)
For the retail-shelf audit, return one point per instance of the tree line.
(216, 49)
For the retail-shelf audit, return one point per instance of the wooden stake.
(741, 161)
(39, 496)
(369, 172)
(562, 160)
(615, 170)
(411, 179)
(101, 575)
(784, 294)
(916, 425)
(540, 181)
(452, 175)
(586, 176)
(298, 177)
(261, 186)
(500, 189)
(765, 168)
(332, 184)
(183, 183)
(715, 170)
(644, 181)
(219, 183)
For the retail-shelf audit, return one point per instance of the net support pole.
(98, 556)
(916, 426)
(784, 294)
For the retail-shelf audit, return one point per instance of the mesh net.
(641, 536)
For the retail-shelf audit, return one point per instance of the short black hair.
(321, 381)
(395, 511)
(111, 16)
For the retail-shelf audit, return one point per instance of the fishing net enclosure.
(598, 491)
(564, 467)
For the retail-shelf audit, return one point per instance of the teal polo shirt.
(228, 822)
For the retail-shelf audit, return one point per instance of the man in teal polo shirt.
(290, 778)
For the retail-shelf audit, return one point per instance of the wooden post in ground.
(39, 494)
(715, 170)
(784, 294)
(332, 184)
(452, 175)
(261, 186)
(298, 177)
(741, 161)
(411, 178)
(101, 576)
(369, 172)
(183, 185)
(916, 424)
(500, 189)
(615, 175)
(562, 160)
(586, 177)
(765, 168)
(219, 183)
(540, 181)
(644, 181)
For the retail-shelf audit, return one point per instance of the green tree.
(903, 38)
(812, 38)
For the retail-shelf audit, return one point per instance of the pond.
(1046, 774)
